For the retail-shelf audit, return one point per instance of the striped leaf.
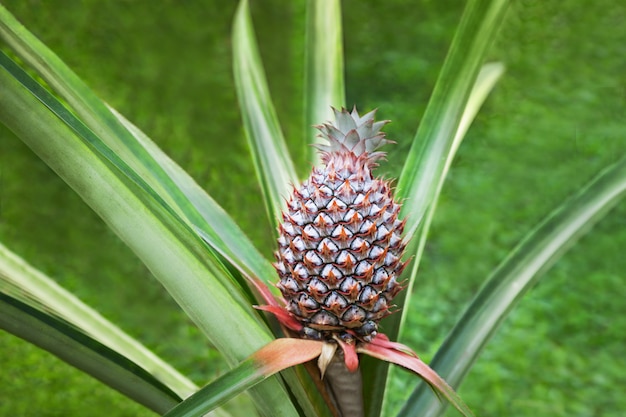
(433, 145)
(514, 276)
(324, 69)
(272, 162)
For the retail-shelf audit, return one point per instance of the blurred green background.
(556, 119)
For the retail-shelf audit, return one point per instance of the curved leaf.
(514, 276)
(28, 285)
(272, 162)
(214, 226)
(324, 78)
(432, 149)
(485, 81)
(272, 358)
(415, 364)
(171, 250)
(104, 122)
(85, 353)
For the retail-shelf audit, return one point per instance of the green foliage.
(554, 121)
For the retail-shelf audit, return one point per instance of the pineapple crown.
(353, 134)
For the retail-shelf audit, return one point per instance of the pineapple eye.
(327, 249)
(288, 285)
(380, 305)
(298, 244)
(359, 245)
(368, 295)
(363, 268)
(297, 218)
(310, 333)
(323, 220)
(335, 302)
(331, 273)
(323, 318)
(341, 233)
(288, 256)
(382, 232)
(306, 302)
(354, 315)
(300, 272)
(381, 277)
(391, 260)
(317, 287)
(310, 207)
(346, 260)
(376, 253)
(367, 227)
(310, 233)
(312, 259)
(368, 329)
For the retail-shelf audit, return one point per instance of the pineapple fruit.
(340, 241)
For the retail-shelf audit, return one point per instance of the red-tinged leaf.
(416, 365)
(384, 342)
(283, 353)
(282, 316)
(350, 356)
(274, 357)
(264, 291)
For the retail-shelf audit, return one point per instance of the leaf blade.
(85, 353)
(433, 145)
(213, 225)
(324, 67)
(269, 360)
(273, 165)
(514, 276)
(165, 178)
(31, 287)
(160, 239)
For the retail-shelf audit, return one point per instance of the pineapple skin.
(340, 241)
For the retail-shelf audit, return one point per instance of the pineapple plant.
(339, 259)
(340, 244)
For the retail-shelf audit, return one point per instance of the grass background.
(555, 120)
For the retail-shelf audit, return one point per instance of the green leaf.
(514, 276)
(135, 148)
(214, 225)
(411, 362)
(433, 145)
(485, 81)
(26, 284)
(85, 353)
(324, 77)
(272, 162)
(170, 249)
(275, 357)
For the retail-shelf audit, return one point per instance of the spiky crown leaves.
(353, 134)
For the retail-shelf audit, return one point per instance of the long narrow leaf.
(216, 227)
(272, 358)
(222, 234)
(510, 281)
(85, 353)
(28, 285)
(165, 244)
(415, 364)
(434, 143)
(98, 117)
(272, 162)
(486, 80)
(324, 77)
(167, 180)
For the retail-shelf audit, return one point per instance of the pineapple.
(340, 243)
